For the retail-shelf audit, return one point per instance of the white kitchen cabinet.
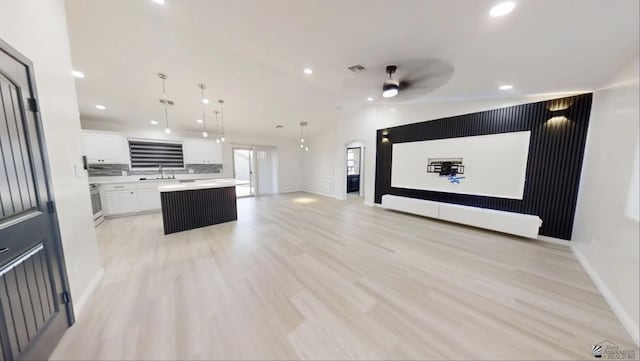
(105, 148)
(119, 202)
(201, 151)
(148, 199)
(132, 197)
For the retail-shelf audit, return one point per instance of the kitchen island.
(197, 204)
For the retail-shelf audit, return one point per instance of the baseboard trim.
(84, 298)
(616, 307)
(563, 242)
(323, 194)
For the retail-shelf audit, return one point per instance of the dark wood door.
(34, 307)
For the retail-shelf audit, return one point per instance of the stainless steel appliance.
(96, 204)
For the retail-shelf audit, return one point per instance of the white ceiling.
(252, 54)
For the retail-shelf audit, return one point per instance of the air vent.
(356, 68)
(279, 126)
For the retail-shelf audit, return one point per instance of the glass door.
(243, 171)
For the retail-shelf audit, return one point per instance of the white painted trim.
(559, 241)
(328, 195)
(627, 322)
(290, 191)
(84, 298)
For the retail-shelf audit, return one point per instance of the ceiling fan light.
(389, 90)
(222, 139)
(217, 140)
(205, 134)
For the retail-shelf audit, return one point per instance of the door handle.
(4, 250)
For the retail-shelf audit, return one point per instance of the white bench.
(524, 225)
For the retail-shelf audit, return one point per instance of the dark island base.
(189, 209)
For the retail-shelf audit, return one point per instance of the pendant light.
(217, 126)
(221, 120)
(166, 102)
(202, 87)
(304, 141)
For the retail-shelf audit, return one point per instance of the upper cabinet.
(201, 151)
(105, 148)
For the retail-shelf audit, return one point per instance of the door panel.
(17, 187)
(33, 312)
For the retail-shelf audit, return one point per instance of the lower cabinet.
(120, 202)
(148, 199)
(129, 198)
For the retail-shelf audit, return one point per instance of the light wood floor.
(306, 277)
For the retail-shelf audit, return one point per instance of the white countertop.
(205, 184)
(151, 178)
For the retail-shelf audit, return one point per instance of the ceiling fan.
(407, 79)
(391, 87)
(413, 78)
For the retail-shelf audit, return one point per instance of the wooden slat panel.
(25, 300)
(553, 168)
(44, 265)
(12, 334)
(17, 311)
(191, 209)
(2, 357)
(24, 305)
(34, 296)
(17, 189)
(11, 196)
(24, 150)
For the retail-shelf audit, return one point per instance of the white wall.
(495, 165)
(605, 232)
(323, 166)
(38, 29)
(289, 154)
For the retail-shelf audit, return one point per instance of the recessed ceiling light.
(505, 87)
(101, 107)
(161, 2)
(78, 74)
(308, 71)
(199, 121)
(205, 101)
(153, 122)
(369, 99)
(502, 9)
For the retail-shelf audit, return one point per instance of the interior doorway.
(354, 171)
(243, 172)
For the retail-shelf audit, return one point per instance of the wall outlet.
(79, 170)
(191, 171)
(124, 173)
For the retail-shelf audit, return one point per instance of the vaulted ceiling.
(252, 53)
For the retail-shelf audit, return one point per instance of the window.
(149, 154)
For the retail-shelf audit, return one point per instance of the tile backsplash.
(102, 170)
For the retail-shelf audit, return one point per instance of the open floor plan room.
(319, 180)
(307, 277)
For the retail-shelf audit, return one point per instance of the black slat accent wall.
(556, 150)
(183, 210)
